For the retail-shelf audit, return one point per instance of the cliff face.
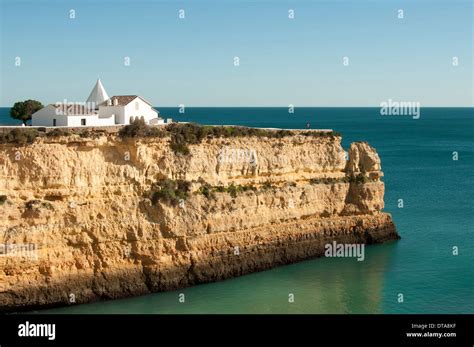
(85, 205)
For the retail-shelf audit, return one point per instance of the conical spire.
(98, 95)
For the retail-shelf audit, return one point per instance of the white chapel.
(98, 110)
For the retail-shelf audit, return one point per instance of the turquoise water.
(437, 215)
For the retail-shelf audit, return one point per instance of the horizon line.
(294, 106)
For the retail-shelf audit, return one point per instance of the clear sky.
(282, 61)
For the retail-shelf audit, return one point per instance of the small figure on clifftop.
(308, 126)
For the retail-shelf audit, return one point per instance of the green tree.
(23, 110)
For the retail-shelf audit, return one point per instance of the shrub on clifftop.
(138, 128)
(184, 134)
(58, 132)
(19, 136)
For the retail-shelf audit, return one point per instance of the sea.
(428, 166)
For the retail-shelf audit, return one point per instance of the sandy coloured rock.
(85, 205)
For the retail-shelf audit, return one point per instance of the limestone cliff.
(86, 205)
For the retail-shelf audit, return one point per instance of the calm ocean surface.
(438, 214)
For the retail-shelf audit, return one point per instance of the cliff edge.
(85, 218)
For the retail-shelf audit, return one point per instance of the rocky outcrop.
(363, 159)
(84, 207)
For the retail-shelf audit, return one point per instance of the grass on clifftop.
(19, 136)
(186, 134)
(25, 136)
(181, 134)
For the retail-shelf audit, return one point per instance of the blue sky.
(282, 61)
